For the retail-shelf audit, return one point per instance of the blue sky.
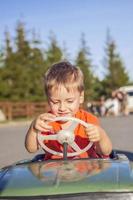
(68, 19)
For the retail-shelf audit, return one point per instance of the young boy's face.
(65, 103)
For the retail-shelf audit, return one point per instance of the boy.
(64, 88)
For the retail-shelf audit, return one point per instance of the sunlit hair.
(63, 73)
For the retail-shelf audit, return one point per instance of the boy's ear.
(82, 97)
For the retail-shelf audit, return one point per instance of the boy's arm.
(97, 135)
(41, 124)
(104, 145)
(31, 143)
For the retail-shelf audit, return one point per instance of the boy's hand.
(93, 133)
(41, 123)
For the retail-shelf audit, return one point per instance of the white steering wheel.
(65, 136)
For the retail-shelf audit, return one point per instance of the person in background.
(122, 98)
(112, 105)
(102, 106)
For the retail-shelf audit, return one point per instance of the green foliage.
(116, 74)
(84, 62)
(54, 53)
(22, 71)
(23, 64)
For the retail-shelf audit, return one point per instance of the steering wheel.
(65, 136)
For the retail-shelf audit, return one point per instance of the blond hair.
(63, 73)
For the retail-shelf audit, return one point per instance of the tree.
(5, 80)
(23, 69)
(54, 53)
(116, 73)
(83, 61)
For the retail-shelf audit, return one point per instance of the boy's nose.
(62, 107)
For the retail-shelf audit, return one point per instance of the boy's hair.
(63, 73)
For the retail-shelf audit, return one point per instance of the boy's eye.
(70, 101)
(54, 102)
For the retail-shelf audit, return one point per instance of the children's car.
(65, 178)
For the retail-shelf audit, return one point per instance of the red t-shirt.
(80, 137)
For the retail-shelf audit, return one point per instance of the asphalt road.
(12, 136)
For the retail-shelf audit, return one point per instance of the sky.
(68, 19)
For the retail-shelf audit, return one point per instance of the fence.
(14, 110)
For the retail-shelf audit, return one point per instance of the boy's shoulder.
(87, 117)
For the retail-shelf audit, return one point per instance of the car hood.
(66, 177)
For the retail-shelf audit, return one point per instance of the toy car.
(66, 178)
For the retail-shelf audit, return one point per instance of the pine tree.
(116, 73)
(83, 61)
(54, 53)
(23, 68)
(5, 72)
